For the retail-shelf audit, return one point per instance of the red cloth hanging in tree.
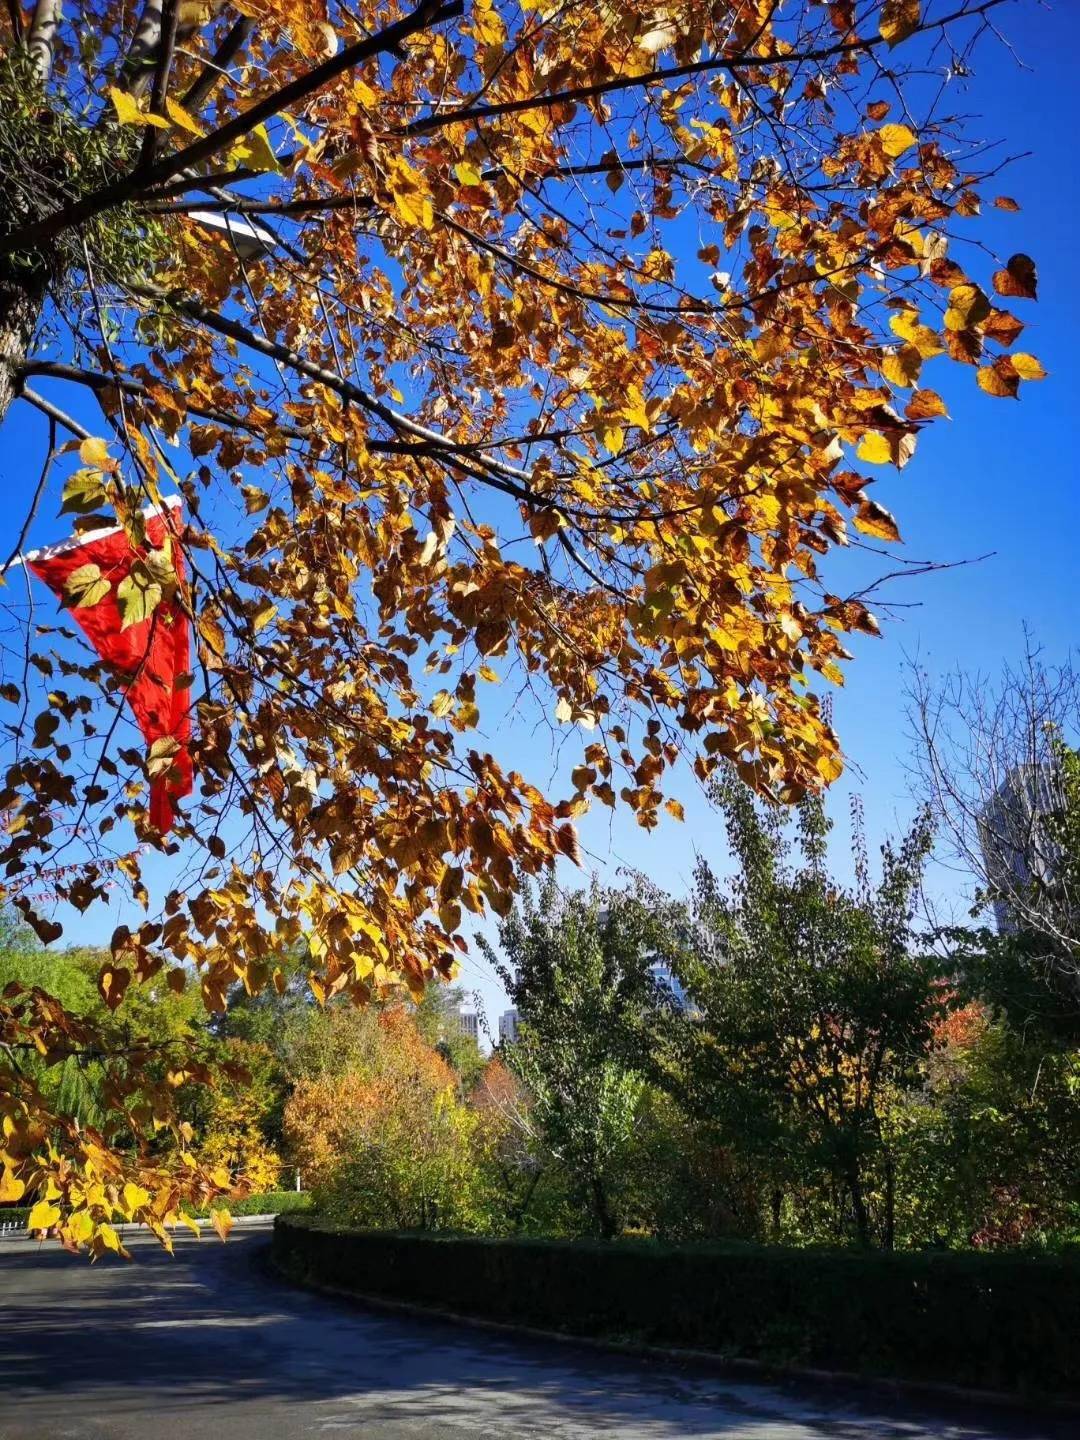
(150, 654)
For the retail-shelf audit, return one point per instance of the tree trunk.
(601, 1210)
(858, 1204)
(21, 302)
(777, 1204)
(890, 1203)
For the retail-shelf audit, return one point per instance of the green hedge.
(1000, 1322)
(275, 1202)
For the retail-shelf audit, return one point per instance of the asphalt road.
(209, 1345)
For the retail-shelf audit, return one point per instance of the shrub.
(1005, 1322)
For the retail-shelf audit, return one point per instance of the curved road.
(209, 1345)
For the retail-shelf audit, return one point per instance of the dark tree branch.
(170, 20)
(129, 187)
(213, 71)
(57, 417)
(99, 381)
(50, 456)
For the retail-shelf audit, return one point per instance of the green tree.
(576, 967)
(810, 1008)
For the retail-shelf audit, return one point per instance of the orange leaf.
(1018, 279)
(873, 519)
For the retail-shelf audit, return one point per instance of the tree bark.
(21, 302)
(605, 1221)
(858, 1202)
(890, 1203)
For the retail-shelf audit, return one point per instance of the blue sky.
(999, 477)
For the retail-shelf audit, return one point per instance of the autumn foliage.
(485, 342)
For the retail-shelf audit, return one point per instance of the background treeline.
(779, 1056)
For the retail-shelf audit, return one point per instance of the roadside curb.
(127, 1227)
(734, 1367)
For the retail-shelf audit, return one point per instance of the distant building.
(508, 1027)
(666, 979)
(1020, 853)
(469, 1025)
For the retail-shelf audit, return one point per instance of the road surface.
(209, 1345)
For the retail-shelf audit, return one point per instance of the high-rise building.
(469, 1024)
(666, 979)
(508, 1027)
(1021, 853)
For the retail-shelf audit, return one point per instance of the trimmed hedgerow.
(1001, 1322)
(274, 1202)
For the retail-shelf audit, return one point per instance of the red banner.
(149, 655)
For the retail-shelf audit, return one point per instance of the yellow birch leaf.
(874, 449)
(43, 1216)
(179, 116)
(895, 139)
(11, 1187)
(94, 452)
(899, 19)
(128, 112)
(1027, 367)
(222, 1222)
(254, 151)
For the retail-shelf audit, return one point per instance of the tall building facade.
(469, 1024)
(508, 1027)
(1020, 852)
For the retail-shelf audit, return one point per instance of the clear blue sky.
(1000, 477)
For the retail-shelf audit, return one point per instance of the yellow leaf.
(253, 151)
(926, 341)
(80, 1226)
(135, 1197)
(43, 1216)
(11, 1188)
(895, 139)
(487, 27)
(222, 1222)
(179, 116)
(128, 112)
(902, 368)
(674, 808)
(442, 704)
(830, 768)
(138, 597)
(1027, 367)
(967, 306)
(613, 439)
(94, 452)
(874, 449)
(85, 586)
(999, 379)
(468, 174)
(899, 19)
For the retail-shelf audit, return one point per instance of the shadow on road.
(209, 1343)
